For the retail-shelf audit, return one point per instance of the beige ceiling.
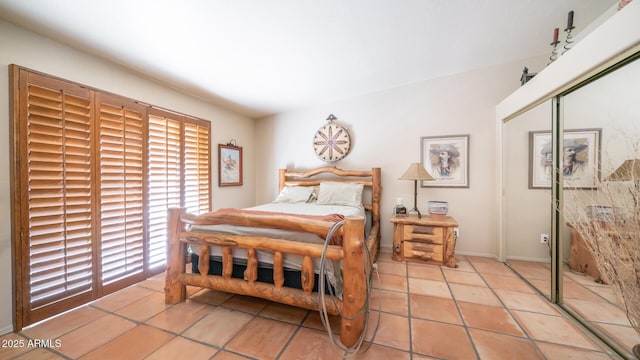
(260, 57)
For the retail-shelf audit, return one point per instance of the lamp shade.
(628, 171)
(416, 172)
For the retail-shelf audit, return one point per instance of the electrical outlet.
(456, 232)
(544, 238)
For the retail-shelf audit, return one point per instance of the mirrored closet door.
(601, 123)
(527, 200)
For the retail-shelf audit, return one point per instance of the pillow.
(336, 193)
(294, 194)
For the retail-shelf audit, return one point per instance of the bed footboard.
(352, 254)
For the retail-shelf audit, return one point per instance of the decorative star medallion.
(332, 141)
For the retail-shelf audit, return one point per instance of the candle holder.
(554, 52)
(568, 42)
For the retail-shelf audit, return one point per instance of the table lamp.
(416, 172)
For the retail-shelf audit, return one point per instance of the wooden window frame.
(24, 314)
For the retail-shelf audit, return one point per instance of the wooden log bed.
(357, 253)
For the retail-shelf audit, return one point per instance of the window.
(93, 175)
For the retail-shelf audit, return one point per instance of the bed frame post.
(282, 178)
(376, 193)
(175, 291)
(355, 285)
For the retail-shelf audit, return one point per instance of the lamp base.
(415, 210)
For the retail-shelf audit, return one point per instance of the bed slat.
(227, 262)
(278, 269)
(308, 278)
(251, 273)
(203, 260)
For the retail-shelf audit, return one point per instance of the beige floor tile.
(218, 327)
(179, 317)
(122, 298)
(424, 271)
(434, 308)
(493, 268)
(390, 282)
(385, 256)
(462, 265)
(94, 334)
(135, 344)
(246, 304)
(494, 318)
(181, 348)
(284, 313)
(446, 318)
(313, 321)
(39, 354)
(311, 344)
(507, 283)
(605, 292)
(624, 335)
(503, 347)
(429, 287)
(13, 345)
(377, 352)
(474, 294)
(573, 290)
(156, 283)
(144, 308)
(441, 340)
(555, 351)
(393, 268)
(531, 269)
(225, 355)
(599, 311)
(543, 286)
(60, 325)
(262, 338)
(463, 277)
(212, 297)
(529, 302)
(554, 329)
(390, 301)
(393, 331)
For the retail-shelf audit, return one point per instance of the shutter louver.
(92, 176)
(59, 194)
(163, 182)
(197, 168)
(121, 192)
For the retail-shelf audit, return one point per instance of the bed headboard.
(369, 178)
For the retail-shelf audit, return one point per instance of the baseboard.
(523, 258)
(470, 253)
(6, 329)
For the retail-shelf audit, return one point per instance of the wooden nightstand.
(427, 239)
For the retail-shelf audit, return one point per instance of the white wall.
(21, 47)
(527, 211)
(387, 126)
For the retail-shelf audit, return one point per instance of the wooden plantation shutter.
(164, 181)
(55, 191)
(121, 168)
(92, 177)
(197, 166)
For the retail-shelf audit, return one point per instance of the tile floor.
(595, 303)
(480, 310)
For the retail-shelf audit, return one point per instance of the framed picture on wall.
(229, 165)
(446, 158)
(580, 159)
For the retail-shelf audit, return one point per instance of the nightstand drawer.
(429, 234)
(421, 250)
